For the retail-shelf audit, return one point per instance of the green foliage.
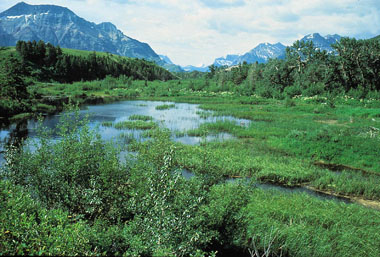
(50, 62)
(28, 228)
(78, 172)
(300, 225)
(73, 196)
(13, 88)
(307, 71)
(87, 202)
(222, 211)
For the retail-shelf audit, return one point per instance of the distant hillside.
(377, 38)
(47, 62)
(60, 26)
(168, 64)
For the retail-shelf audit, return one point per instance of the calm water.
(180, 118)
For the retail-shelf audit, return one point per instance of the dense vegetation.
(52, 63)
(353, 68)
(84, 200)
(34, 62)
(313, 124)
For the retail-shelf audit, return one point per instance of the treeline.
(47, 62)
(353, 67)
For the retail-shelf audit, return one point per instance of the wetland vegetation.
(73, 187)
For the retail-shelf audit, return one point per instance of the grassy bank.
(84, 200)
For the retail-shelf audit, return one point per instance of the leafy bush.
(27, 228)
(78, 172)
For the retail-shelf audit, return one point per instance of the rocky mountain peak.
(322, 42)
(23, 8)
(60, 26)
(107, 26)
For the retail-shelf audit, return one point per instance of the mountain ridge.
(265, 51)
(60, 26)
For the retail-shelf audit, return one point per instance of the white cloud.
(198, 31)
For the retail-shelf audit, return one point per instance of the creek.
(181, 117)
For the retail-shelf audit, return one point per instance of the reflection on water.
(181, 118)
(14, 135)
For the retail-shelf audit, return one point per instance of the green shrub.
(292, 91)
(314, 89)
(78, 172)
(27, 228)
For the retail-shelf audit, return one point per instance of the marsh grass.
(179, 133)
(138, 124)
(165, 106)
(204, 114)
(140, 117)
(127, 138)
(350, 183)
(309, 227)
(219, 126)
(107, 124)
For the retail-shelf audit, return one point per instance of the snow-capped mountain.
(265, 51)
(322, 42)
(168, 64)
(201, 68)
(227, 60)
(60, 26)
(261, 54)
(165, 59)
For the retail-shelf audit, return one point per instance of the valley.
(110, 149)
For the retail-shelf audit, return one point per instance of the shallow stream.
(181, 118)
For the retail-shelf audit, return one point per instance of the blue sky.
(198, 31)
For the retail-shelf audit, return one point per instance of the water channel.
(181, 118)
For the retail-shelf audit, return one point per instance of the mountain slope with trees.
(31, 62)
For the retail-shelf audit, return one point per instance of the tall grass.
(140, 117)
(165, 106)
(137, 124)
